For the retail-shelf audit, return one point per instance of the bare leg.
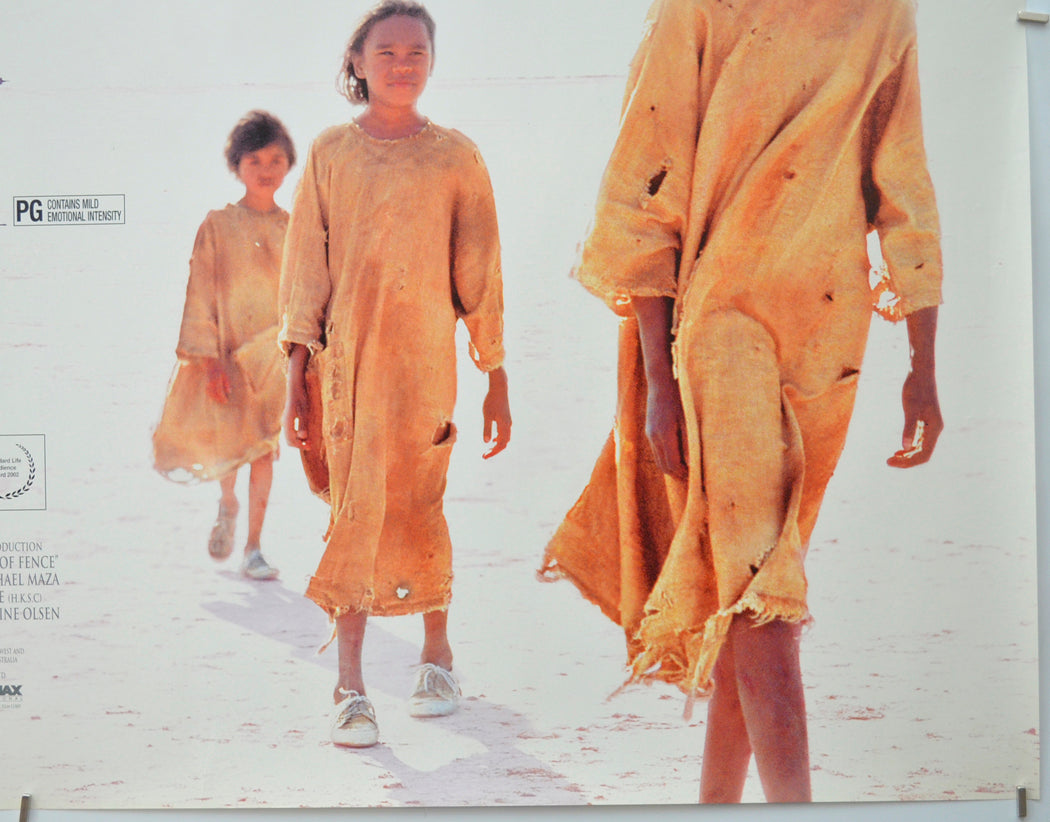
(435, 641)
(220, 541)
(228, 504)
(259, 483)
(727, 749)
(436, 691)
(745, 474)
(350, 638)
(769, 686)
(354, 724)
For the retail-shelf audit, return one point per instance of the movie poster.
(137, 672)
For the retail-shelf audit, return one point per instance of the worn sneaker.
(437, 693)
(256, 567)
(355, 725)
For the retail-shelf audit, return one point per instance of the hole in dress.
(656, 181)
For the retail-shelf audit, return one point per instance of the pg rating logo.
(22, 480)
(61, 209)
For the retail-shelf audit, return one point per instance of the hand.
(297, 403)
(665, 429)
(922, 412)
(218, 386)
(664, 419)
(496, 412)
(922, 421)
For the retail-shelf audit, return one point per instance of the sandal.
(220, 543)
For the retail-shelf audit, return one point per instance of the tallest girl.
(392, 239)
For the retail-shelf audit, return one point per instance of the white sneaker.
(255, 566)
(354, 725)
(437, 693)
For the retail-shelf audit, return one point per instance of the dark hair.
(256, 130)
(352, 87)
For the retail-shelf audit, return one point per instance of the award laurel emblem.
(29, 480)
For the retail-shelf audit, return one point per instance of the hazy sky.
(193, 44)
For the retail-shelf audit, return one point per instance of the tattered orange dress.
(761, 141)
(230, 314)
(390, 242)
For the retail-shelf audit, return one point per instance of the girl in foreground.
(392, 239)
(224, 402)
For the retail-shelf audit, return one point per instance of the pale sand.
(177, 683)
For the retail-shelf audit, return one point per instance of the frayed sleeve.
(634, 246)
(475, 260)
(306, 283)
(899, 193)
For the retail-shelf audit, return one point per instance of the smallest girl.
(224, 401)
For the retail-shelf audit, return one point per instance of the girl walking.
(223, 407)
(392, 238)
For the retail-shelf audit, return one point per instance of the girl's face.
(395, 60)
(263, 171)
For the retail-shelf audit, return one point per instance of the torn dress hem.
(687, 659)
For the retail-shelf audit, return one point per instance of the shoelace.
(445, 677)
(355, 704)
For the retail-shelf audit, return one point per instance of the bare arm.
(664, 422)
(922, 412)
(297, 405)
